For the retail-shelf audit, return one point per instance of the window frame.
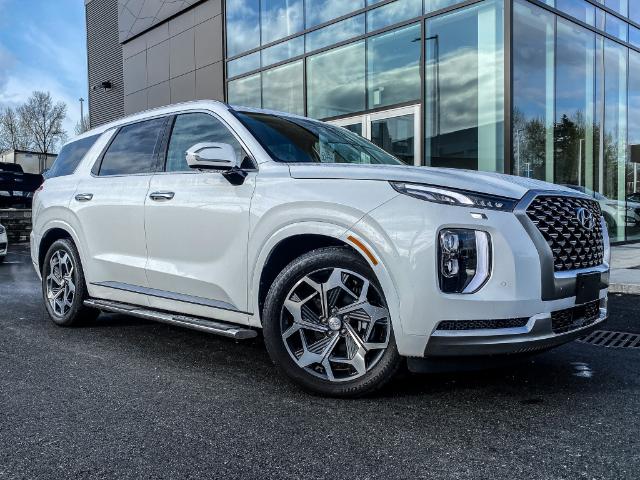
(167, 139)
(97, 166)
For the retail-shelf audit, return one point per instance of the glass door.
(397, 131)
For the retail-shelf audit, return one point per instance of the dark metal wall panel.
(104, 59)
(177, 60)
(137, 16)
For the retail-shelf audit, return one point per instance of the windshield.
(294, 140)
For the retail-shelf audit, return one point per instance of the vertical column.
(589, 117)
(489, 77)
(550, 89)
(623, 55)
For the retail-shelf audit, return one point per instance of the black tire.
(324, 258)
(76, 313)
(2, 258)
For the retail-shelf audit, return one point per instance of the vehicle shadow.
(568, 370)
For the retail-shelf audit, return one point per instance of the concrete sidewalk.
(625, 269)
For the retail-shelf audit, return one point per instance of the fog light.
(464, 258)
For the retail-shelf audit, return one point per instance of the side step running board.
(195, 323)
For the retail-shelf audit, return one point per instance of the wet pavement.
(128, 398)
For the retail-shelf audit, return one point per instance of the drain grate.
(608, 339)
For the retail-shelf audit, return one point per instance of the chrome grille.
(573, 246)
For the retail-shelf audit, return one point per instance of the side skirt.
(223, 329)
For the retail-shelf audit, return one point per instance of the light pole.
(82, 113)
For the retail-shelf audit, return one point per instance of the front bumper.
(541, 332)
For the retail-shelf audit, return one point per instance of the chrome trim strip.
(483, 268)
(179, 297)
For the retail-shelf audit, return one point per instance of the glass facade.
(573, 95)
(425, 80)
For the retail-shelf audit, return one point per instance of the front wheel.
(63, 285)
(327, 325)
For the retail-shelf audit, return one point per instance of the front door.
(397, 131)
(197, 225)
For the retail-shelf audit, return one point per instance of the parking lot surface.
(126, 398)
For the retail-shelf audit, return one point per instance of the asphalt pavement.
(126, 398)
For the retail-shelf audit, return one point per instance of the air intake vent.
(482, 324)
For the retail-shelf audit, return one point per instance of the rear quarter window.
(70, 157)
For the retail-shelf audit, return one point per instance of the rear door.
(197, 225)
(109, 204)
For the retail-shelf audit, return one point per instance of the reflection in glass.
(243, 64)
(283, 51)
(243, 26)
(354, 127)
(391, 13)
(320, 11)
(280, 18)
(336, 81)
(282, 88)
(299, 140)
(464, 88)
(634, 11)
(344, 30)
(580, 9)
(573, 133)
(133, 150)
(619, 6)
(614, 134)
(634, 36)
(533, 90)
(633, 165)
(245, 91)
(396, 135)
(393, 60)
(433, 5)
(616, 27)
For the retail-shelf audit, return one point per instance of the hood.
(471, 180)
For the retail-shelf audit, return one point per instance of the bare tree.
(12, 134)
(42, 121)
(82, 125)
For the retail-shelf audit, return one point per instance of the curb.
(626, 288)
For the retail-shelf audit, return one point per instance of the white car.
(4, 243)
(230, 220)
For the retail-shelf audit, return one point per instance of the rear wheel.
(327, 325)
(63, 285)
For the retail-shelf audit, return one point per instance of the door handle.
(161, 196)
(84, 197)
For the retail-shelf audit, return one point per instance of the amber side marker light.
(361, 246)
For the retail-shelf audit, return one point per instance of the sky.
(43, 47)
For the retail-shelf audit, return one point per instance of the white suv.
(230, 220)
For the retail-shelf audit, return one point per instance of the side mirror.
(221, 156)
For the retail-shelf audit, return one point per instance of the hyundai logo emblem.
(586, 218)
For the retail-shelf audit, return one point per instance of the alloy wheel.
(61, 286)
(335, 324)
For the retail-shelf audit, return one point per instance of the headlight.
(455, 197)
(464, 258)
(2, 230)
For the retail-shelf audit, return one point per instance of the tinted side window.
(192, 128)
(70, 157)
(134, 149)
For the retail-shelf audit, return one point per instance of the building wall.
(137, 16)
(104, 61)
(176, 60)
